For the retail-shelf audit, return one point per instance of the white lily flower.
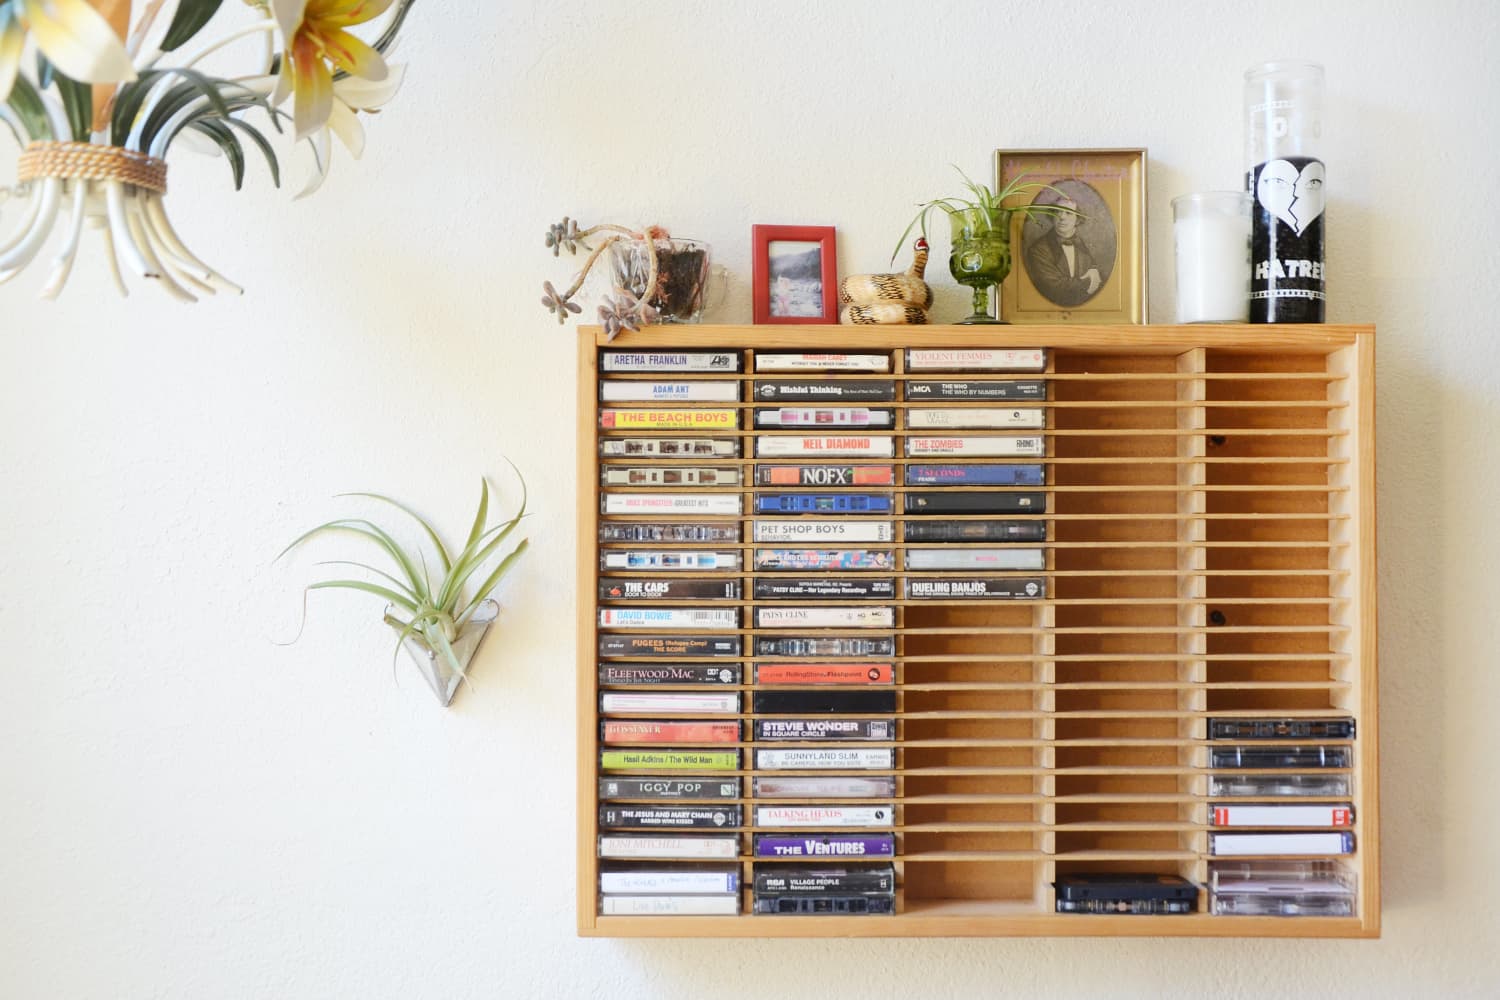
(71, 34)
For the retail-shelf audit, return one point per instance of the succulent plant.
(623, 313)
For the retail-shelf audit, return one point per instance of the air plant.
(626, 311)
(99, 115)
(987, 207)
(432, 611)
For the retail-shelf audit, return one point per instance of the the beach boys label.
(1286, 242)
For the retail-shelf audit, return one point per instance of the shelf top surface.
(1311, 338)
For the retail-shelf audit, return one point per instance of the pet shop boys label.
(1286, 241)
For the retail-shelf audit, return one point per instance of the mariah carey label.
(1286, 241)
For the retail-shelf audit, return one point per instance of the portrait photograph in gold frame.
(1083, 266)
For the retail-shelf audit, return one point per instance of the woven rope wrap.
(85, 160)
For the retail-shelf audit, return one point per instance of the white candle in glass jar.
(1212, 234)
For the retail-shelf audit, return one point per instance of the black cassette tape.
(658, 589)
(969, 588)
(825, 730)
(821, 646)
(1124, 892)
(1281, 729)
(1030, 388)
(668, 645)
(976, 502)
(807, 904)
(809, 881)
(831, 587)
(976, 531)
(1279, 756)
(824, 701)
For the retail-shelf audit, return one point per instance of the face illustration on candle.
(1295, 197)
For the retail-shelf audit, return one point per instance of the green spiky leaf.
(190, 18)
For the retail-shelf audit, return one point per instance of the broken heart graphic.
(1295, 197)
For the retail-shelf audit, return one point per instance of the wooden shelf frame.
(1211, 551)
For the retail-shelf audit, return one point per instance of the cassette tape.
(823, 559)
(967, 558)
(668, 590)
(1266, 785)
(978, 446)
(650, 731)
(676, 560)
(1018, 389)
(666, 881)
(669, 448)
(825, 617)
(669, 846)
(983, 588)
(804, 880)
(825, 646)
(669, 760)
(643, 391)
(669, 531)
(1279, 756)
(976, 359)
(962, 417)
(669, 788)
(642, 817)
(671, 503)
(825, 701)
(824, 673)
(652, 618)
(976, 474)
(976, 531)
(1280, 889)
(824, 730)
(859, 588)
(1281, 729)
(674, 646)
(825, 475)
(690, 419)
(847, 391)
(829, 845)
(668, 673)
(787, 446)
(829, 787)
(680, 702)
(840, 905)
(975, 502)
(1239, 814)
(1124, 892)
(842, 759)
(670, 905)
(810, 530)
(823, 362)
(670, 361)
(1233, 844)
(669, 475)
(823, 503)
(825, 816)
(821, 417)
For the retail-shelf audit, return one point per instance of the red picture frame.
(789, 285)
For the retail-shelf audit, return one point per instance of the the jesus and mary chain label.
(1287, 273)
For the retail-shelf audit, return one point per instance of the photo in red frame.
(794, 274)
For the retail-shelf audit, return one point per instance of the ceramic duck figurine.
(887, 298)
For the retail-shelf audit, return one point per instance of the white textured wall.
(187, 811)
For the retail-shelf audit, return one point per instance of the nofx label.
(1287, 273)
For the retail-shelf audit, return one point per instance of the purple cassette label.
(829, 846)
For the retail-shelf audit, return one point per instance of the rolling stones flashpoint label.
(1286, 243)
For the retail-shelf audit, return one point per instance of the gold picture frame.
(1103, 278)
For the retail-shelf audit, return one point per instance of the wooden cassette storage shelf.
(1210, 553)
